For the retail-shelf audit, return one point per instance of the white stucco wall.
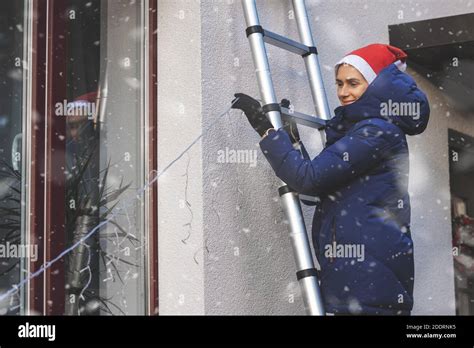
(180, 240)
(248, 263)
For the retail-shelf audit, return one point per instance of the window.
(89, 125)
(461, 170)
(12, 31)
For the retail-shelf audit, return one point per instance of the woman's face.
(350, 84)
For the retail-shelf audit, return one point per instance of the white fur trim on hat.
(402, 66)
(361, 65)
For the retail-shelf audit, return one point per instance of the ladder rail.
(306, 272)
(262, 68)
(318, 91)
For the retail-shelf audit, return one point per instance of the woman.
(361, 179)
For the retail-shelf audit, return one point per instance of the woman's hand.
(252, 109)
(290, 126)
(257, 118)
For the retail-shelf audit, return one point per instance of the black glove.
(290, 126)
(253, 111)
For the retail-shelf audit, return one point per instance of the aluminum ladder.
(257, 36)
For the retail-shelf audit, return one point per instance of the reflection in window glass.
(11, 85)
(98, 143)
(104, 275)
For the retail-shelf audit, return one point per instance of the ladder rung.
(285, 43)
(308, 198)
(303, 119)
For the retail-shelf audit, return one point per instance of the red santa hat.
(90, 97)
(84, 100)
(371, 59)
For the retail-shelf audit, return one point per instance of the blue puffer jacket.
(361, 226)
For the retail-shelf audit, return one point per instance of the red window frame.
(153, 304)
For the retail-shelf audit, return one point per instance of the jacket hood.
(393, 96)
